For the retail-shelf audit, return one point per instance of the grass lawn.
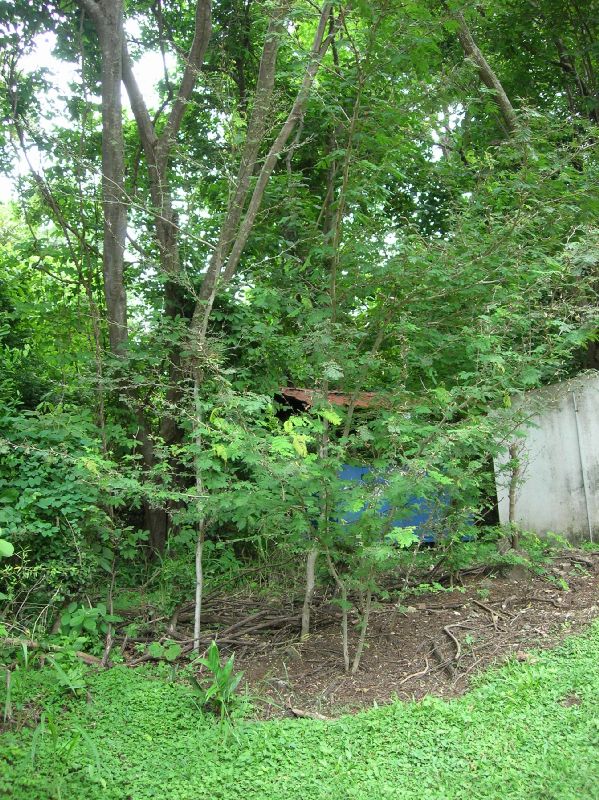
(527, 730)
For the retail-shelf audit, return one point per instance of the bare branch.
(144, 122)
(202, 32)
(255, 135)
(319, 48)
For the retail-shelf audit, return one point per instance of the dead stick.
(490, 610)
(297, 712)
(455, 640)
(51, 648)
(416, 674)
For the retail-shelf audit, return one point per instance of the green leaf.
(6, 549)
(156, 650)
(332, 371)
(330, 415)
(221, 451)
(172, 652)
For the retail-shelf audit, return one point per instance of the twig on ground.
(455, 640)
(298, 712)
(416, 674)
(442, 662)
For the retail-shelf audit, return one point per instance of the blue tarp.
(419, 512)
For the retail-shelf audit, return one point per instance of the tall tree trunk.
(157, 149)
(107, 16)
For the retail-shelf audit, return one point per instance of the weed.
(218, 691)
(62, 748)
(91, 620)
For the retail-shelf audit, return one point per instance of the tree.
(335, 200)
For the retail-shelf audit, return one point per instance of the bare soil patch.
(429, 645)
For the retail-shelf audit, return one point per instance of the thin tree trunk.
(109, 633)
(199, 549)
(344, 626)
(309, 594)
(362, 639)
(344, 622)
(512, 494)
(199, 574)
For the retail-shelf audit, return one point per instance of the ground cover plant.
(527, 730)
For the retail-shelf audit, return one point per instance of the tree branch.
(92, 7)
(319, 48)
(487, 75)
(145, 126)
(254, 137)
(201, 37)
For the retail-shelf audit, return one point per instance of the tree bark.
(107, 16)
(487, 74)
(309, 594)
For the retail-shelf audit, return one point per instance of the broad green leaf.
(6, 549)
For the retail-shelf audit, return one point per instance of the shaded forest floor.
(427, 644)
(446, 726)
(430, 644)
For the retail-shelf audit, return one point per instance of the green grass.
(510, 737)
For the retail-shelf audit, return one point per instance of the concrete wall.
(559, 454)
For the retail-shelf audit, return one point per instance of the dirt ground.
(431, 644)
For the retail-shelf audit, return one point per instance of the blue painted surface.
(420, 516)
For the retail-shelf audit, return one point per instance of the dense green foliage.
(391, 205)
(407, 244)
(514, 736)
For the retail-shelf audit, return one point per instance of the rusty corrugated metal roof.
(307, 396)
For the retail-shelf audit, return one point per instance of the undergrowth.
(527, 730)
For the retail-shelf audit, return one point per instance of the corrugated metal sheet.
(308, 397)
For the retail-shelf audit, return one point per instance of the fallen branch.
(87, 658)
(455, 640)
(297, 712)
(443, 663)
(549, 600)
(416, 674)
